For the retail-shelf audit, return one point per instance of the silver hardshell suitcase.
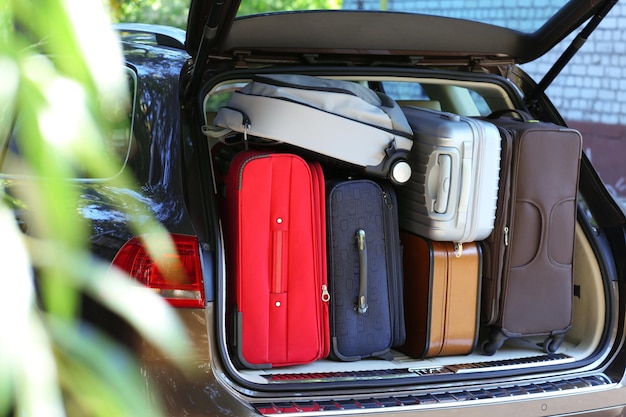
(339, 119)
(453, 189)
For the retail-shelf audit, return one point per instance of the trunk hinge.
(209, 35)
(475, 64)
(571, 50)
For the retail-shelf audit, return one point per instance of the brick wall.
(591, 96)
(593, 88)
(590, 92)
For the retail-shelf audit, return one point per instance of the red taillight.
(178, 276)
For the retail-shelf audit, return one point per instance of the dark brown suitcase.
(441, 289)
(528, 273)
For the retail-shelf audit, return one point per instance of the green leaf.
(146, 311)
(62, 74)
(27, 367)
(91, 363)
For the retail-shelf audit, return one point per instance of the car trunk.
(466, 75)
(585, 346)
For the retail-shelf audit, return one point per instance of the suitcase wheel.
(552, 343)
(400, 172)
(489, 347)
(493, 343)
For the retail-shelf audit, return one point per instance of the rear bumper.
(205, 390)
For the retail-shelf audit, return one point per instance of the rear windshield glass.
(524, 16)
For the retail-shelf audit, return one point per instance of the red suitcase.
(275, 232)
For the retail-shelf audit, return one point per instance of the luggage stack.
(371, 228)
(521, 213)
(447, 206)
(345, 296)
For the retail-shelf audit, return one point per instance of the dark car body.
(180, 80)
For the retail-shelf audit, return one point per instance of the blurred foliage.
(61, 76)
(257, 6)
(166, 12)
(174, 12)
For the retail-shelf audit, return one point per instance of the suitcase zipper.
(387, 200)
(394, 268)
(458, 249)
(246, 162)
(246, 128)
(325, 293)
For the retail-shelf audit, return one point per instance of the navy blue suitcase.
(365, 270)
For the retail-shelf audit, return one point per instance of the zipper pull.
(458, 249)
(246, 128)
(387, 200)
(506, 236)
(325, 293)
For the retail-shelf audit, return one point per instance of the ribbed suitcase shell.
(453, 189)
(528, 278)
(355, 205)
(275, 234)
(442, 293)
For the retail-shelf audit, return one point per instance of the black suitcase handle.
(361, 305)
(521, 115)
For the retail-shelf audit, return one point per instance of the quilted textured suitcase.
(442, 292)
(452, 192)
(338, 119)
(275, 234)
(365, 270)
(528, 273)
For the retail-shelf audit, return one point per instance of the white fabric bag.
(340, 119)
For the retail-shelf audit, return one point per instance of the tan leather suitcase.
(441, 296)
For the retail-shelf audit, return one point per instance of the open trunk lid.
(215, 30)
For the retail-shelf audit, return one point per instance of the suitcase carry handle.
(361, 305)
(443, 188)
(522, 115)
